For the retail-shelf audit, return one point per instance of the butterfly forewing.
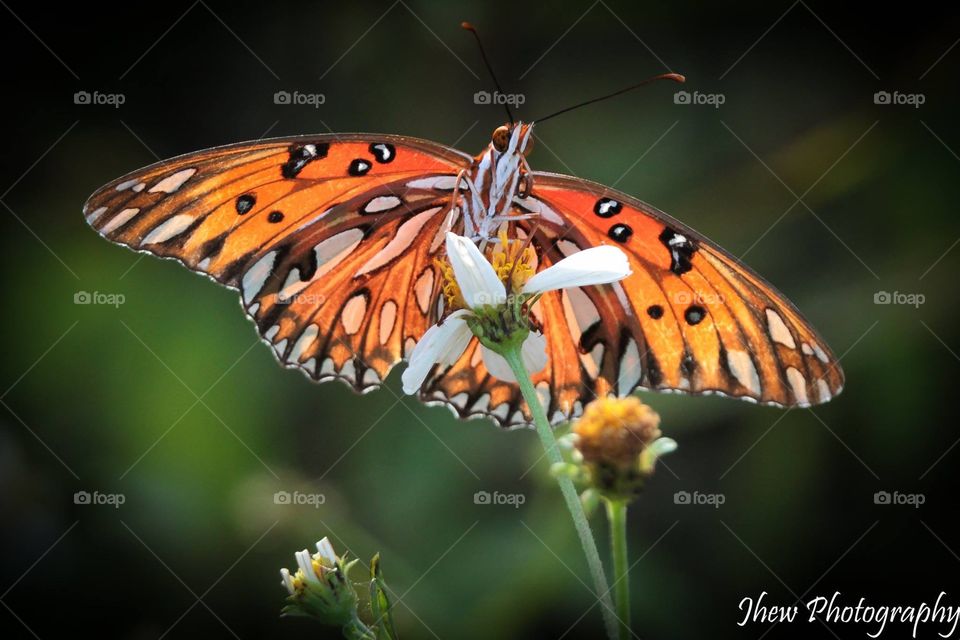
(691, 317)
(329, 239)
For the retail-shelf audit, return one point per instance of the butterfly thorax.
(495, 178)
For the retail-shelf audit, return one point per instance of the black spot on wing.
(620, 233)
(694, 314)
(681, 250)
(245, 203)
(383, 152)
(358, 167)
(301, 155)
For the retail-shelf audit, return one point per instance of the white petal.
(533, 352)
(596, 265)
(304, 561)
(326, 551)
(497, 365)
(442, 343)
(475, 276)
(287, 581)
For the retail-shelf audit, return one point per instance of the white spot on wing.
(172, 182)
(327, 367)
(823, 390)
(330, 253)
(349, 371)
(443, 183)
(118, 220)
(482, 404)
(382, 203)
(543, 394)
(593, 361)
(388, 317)
(256, 276)
(401, 241)
(741, 365)
(778, 330)
(353, 313)
(96, 213)
(567, 248)
(423, 288)
(799, 386)
(541, 208)
(821, 354)
(630, 369)
(169, 228)
(303, 342)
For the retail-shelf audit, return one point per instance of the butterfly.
(332, 242)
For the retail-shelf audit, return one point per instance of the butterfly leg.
(475, 205)
(525, 185)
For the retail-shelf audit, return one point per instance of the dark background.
(103, 398)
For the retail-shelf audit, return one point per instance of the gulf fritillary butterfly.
(331, 241)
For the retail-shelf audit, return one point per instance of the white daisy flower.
(477, 286)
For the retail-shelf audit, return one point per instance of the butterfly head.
(509, 139)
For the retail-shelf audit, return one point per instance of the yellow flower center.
(615, 430)
(514, 262)
(451, 290)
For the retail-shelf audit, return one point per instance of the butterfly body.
(494, 180)
(332, 242)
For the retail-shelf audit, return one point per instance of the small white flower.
(288, 581)
(325, 549)
(305, 562)
(480, 287)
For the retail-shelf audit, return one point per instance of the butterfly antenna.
(486, 61)
(676, 77)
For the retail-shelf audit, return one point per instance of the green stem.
(357, 630)
(617, 517)
(513, 358)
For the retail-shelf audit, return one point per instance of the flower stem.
(357, 630)
(617, 518)
(512, 355)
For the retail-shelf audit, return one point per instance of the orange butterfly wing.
(324, 237)
(690, 319)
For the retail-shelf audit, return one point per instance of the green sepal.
(380, 605)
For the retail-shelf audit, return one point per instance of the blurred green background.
(169, 399)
